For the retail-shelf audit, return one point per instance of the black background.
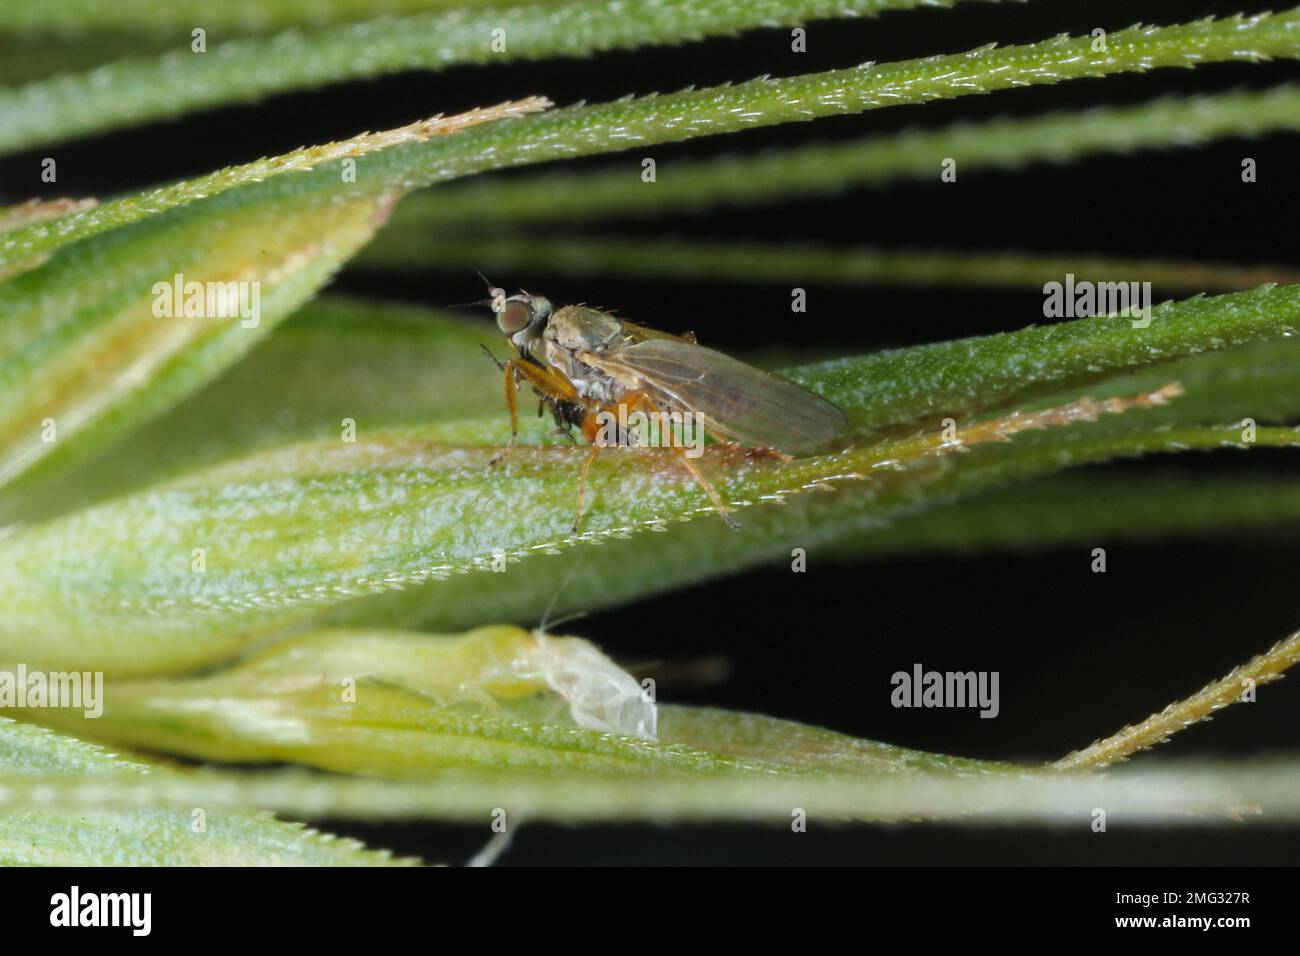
(1080, 654)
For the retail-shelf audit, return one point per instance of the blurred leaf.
(93, 835)
(244, 70)
(1089, 508)
(432, 707)
(39, 237)
(98, 338)
(1186, 793)
(84, 357)
(170, 18)
(963, 376)
(687, 185)
(133, 92)
(477, 719)
(398, 704)
(721, 261)
(28, 58)
(382, 366)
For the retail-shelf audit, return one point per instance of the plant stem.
(1158, 728)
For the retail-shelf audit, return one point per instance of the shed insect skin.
(583, 362)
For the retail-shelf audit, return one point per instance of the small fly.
(591, 368)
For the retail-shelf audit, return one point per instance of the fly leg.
(593, 432)
(547, 383)
(640, 401)
(563, 427)
(723, 511)
(582, 486)
(512, 403)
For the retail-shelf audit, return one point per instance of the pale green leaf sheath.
(96, 341)
(540, 727)
(98, 336)
(398, 704)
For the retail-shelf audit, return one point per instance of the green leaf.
(26, 245)
(479, 720)
(966, 375)
(84, 357)
(397, 704)
(474, 718)
(380, 366)
(391, 369)
(1095, 507)
(419, 248)
(588, 130)
(242, 71)
(1198, 793)
(98, 338)
(565, 197)
(307, 527)
(168, 18)
(201, 834)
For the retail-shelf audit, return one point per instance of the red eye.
(514, 316)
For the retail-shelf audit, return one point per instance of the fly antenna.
(546, 615)
(494, 848)
(495, 295)
(561, 621)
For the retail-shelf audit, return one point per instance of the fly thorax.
(589, 382)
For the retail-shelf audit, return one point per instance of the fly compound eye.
(513, 315)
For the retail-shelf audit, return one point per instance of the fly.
(591, 368)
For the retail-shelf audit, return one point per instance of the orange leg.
(512, 403)
(546, 382)
(723, 511)
(592, 432)
(582, 485)
(640, 401)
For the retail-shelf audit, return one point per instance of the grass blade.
(201, 834)
(589, 130)
(681, 260)
(242, 71)
(695, 186)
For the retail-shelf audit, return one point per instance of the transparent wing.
(737, 400)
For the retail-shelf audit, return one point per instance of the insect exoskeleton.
(618, 383)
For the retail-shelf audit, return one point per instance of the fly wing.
(633, 333)
(736, 400)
